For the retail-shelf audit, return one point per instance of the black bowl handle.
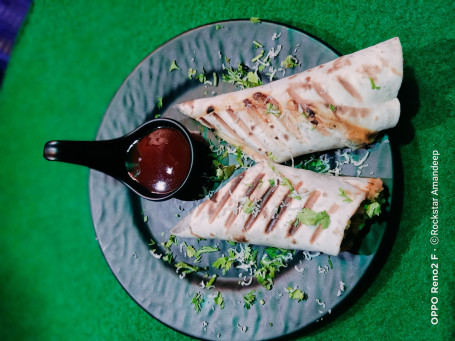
(104, 156)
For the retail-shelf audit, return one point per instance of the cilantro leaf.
(257, 44)
(271, 156)
(159, 102)
(209, 284)
(249, 299)
(238, 156)
(186, 268)
(287, 183)
(190, 251)
(373, 209)
(219, 300)
(290, 62)
(224, 172)
(204, 249)
(259, 56)
(255, 20)
(344, 195)
(247, 206)
(223, 263)
(311, 218)
(201, 77)
(174, 66)
(197, 301)
(171, 241)
(296, 294)
(373, 86)
(270, 265)
(168, 257)
(191, 73)
(272, 109)
(241, 77)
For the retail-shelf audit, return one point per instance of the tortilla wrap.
(261, 205)
(342, 103)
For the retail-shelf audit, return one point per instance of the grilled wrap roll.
(280, 206)
(344, 102)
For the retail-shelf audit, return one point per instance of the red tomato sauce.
(160, 161)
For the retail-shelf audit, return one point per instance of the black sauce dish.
(113, 157)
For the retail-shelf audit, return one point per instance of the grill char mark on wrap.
(350, 89)
(285, 199)
(264, 200)
(216, 206)
(257, 112)
(284, 203)
(250, 189)
(247, 131)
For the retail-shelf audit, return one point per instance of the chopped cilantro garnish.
(332, 107)
(259, 56)
(197, 301)
(257, 44)
(272, 109)
(174, 66)
(253, 78)
(247, 206)
(241, 77)
(275, 252)
(330, 263)
(218, 27)
(159, 102)
(225, 262)
(186, 268)
(271, 156)
(191, 73)
(373, 86)
(209, 284)
(295, 195)
(202, 250)
(219, 300)
(296, 294)
(168, 257)
(238, 156)
(311, 218)
(201, 78)
(255, 20)
(373, 209)
(344, 195)
(171, 241)
(287, 183)
(290, 62)
(249, 299)
(190, 251)
(215, 79)
(270, 265)
(272, 182)
(224, 172)
(314, 164)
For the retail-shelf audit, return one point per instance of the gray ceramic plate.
(125, 224)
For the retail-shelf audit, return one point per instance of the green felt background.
(70, 58)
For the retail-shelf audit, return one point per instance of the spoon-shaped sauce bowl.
(158, 160)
